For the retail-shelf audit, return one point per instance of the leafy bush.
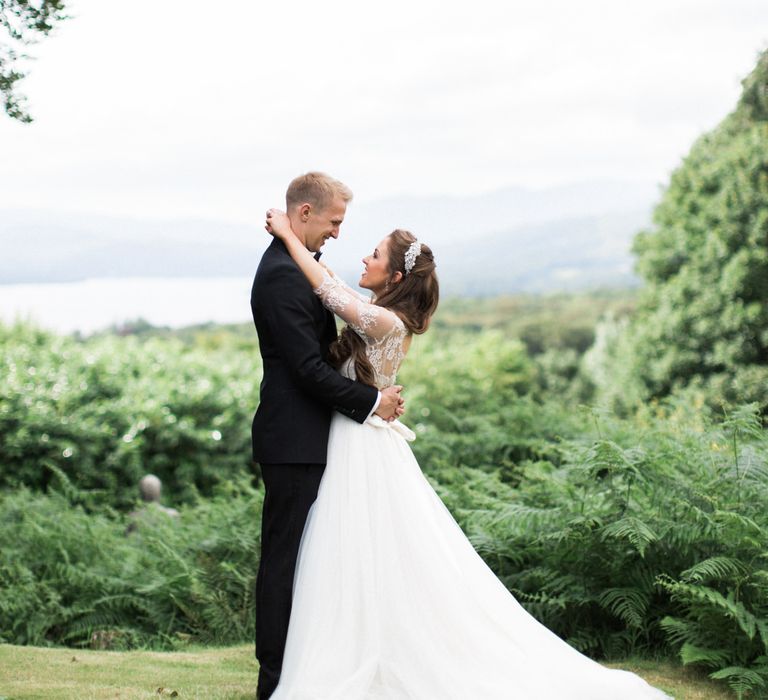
(645, 538)
(635, 534)
(74, 577)
(109, 410)
(472, 401)
(702, 319)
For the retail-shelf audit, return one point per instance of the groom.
(299, 392)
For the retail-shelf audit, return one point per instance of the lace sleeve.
(353, 292)
(366, 319)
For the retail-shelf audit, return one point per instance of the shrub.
(74, 577)
(645, 538)
(108, 410)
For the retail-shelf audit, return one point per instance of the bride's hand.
(278, 224)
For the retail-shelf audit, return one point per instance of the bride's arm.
(362, 297)
(364, 318)
(279, 225)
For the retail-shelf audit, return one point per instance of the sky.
(184, 109)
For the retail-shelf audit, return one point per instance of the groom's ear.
(304, 211)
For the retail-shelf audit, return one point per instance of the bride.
(391, 601)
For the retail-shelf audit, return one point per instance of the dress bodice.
(382, 330)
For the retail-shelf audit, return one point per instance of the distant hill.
(570, 237)
(64, 247)
(572, 254)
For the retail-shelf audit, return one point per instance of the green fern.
(628, 604)
(680, 632)
(638, 533)
(713, 599)
(742, 680)
(717, 568)
(691, 654)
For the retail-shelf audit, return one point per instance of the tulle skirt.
(391, 601)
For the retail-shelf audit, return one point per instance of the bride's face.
(376, 274)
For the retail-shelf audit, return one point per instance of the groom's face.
(323, 224)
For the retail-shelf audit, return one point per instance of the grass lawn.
(28, 673)
(682, 682)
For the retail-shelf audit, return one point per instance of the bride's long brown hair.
(414, 298)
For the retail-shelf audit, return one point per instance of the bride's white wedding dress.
(391, 601)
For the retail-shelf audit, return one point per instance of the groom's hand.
(392, 404)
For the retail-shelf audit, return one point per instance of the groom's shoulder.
(277, 266)
(275, 257)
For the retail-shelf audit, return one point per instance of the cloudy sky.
(188, 109)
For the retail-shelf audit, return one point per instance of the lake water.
(95, 304)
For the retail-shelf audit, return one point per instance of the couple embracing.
(367, 588)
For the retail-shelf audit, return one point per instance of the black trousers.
(289, 491)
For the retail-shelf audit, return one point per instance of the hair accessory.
(414, 250)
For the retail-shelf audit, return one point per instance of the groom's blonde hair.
(317, 189)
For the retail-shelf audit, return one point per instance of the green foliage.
(109, 410)
(23, 23)
(644, 538)
(543, 323)
(487, 416)
(641, 534)
(702, 320)
(72, 577)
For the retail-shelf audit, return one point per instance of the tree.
(24, 22)
(703, 316)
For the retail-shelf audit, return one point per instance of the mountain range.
(513, 240)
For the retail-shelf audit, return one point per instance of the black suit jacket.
(299, 389)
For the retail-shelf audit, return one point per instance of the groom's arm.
(289, 310)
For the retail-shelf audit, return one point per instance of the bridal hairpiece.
(414, 250)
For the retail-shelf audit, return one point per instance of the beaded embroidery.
(413, 252)
(382, 330)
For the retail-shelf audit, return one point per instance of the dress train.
(391, 601)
